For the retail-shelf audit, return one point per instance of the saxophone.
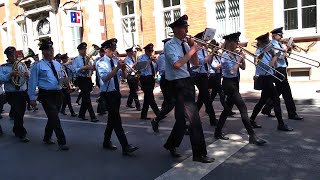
(21, 68)
(88, 60)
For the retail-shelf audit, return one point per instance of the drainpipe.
(141, 25)
(104, 18)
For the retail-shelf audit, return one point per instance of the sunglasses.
(150, 50)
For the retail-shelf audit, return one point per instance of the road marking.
(220, 150)
(102, 123)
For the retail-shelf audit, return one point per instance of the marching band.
(184, 63)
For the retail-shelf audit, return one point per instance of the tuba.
(21, 68)
(88, 60)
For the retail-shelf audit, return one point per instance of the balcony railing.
(225, 27)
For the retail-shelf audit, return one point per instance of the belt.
(49, 91)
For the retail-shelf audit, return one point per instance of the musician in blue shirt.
(231, 61)
(264, 74)
(283, 87)
(200, 77)
(215, 75)
(109, 72)
(133, 81)
(65, 90)
(84, 82)
(45, 75)
(101, 108)
(168, 99)
(178, 55)
(147, 80)
(15, 92)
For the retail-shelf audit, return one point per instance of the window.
(24, 36)
(73, 35)
(227, 16)
(128, 21)
(300, 14)
(171, 12)
(5, 37)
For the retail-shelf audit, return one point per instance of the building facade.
(139, 22)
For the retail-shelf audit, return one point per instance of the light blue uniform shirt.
(281, 62)
(173, 52)
(147, 71)
(129, 61)
(41, 75)
(213, 66)
(5, 78)
(161, 64)
(202, 54)
(77, 64)
(68, 69)
(227, 64)
(263, 64)
(104, 68)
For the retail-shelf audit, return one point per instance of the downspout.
(141, 25)
(104, 18)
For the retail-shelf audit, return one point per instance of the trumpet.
(130, 71)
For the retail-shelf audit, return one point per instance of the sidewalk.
(303, 92)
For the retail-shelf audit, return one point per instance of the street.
(287, 155)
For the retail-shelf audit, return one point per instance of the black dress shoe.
(284, 127)
(253, 139)
(173, 151)
(130, 106)
(48, 142)
(94, 120)
(213, 122)
(73, 115)
(127, 151)
(138, 109)
(155, 125)
(109, 145)
(63, 147)
(220, 136)
(268, 114)
(145, 118)
(203, 159)
(24, 139)
(63, 112)
(254, 124)
(295, 117)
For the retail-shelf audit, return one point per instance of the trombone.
(290, 43)
(288, 56)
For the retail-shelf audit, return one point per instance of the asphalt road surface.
(288, 155)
